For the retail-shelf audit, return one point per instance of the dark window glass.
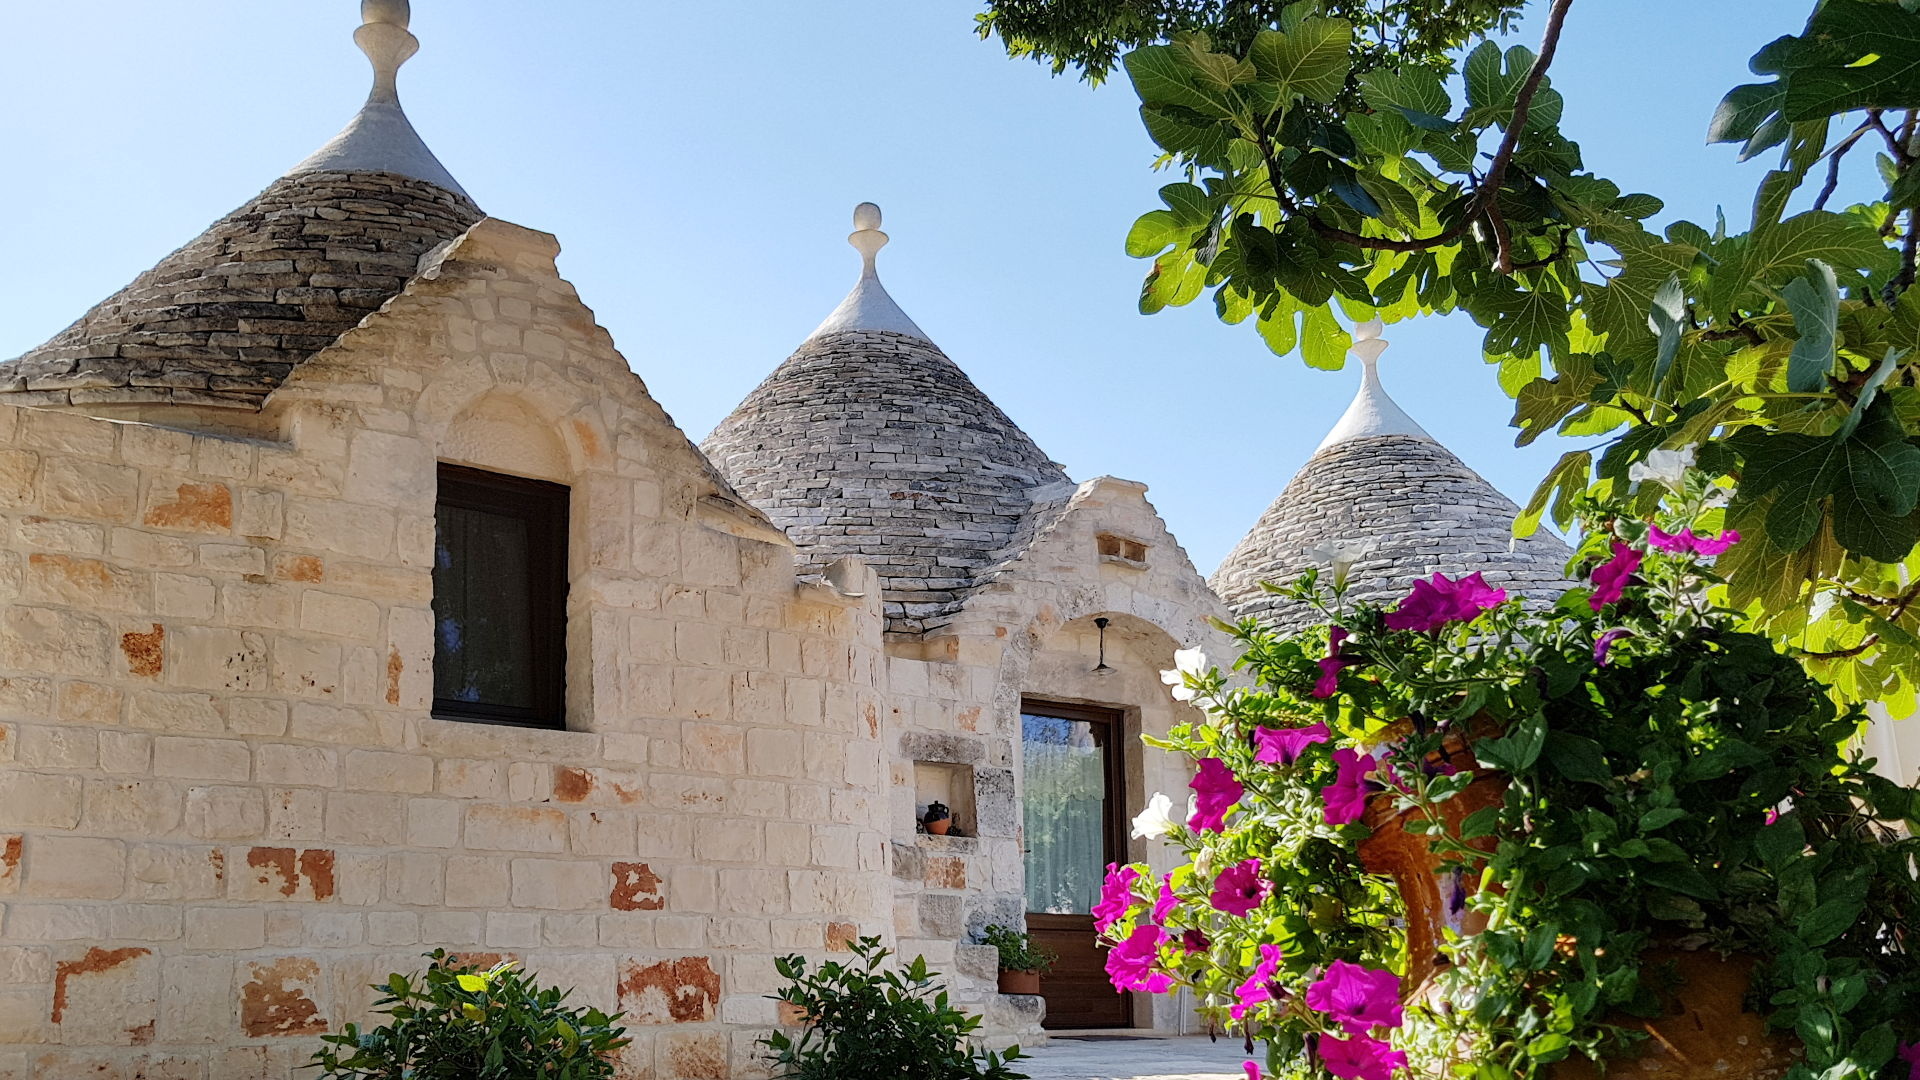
(499, 599)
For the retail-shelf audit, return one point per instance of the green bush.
(863, 1023)
(1017, 950)
(457, 1022)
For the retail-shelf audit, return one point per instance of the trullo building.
(356, 600)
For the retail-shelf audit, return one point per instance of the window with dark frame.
(499, 599)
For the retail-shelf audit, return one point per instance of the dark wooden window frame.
(545, 507)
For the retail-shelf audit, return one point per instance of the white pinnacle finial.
(867, 238)
(1372, 412)
(868, 307)
(384, 38)
(381, 138)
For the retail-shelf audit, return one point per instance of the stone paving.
(1123, 1058)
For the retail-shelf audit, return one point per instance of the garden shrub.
(457, 1022)
(863, 1020)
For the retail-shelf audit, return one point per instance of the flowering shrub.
(1607, 782)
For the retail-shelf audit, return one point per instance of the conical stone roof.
(869, 441)
(223, 320)
(1381, 486)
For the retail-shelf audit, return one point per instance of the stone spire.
(869, 442)
(220, 322)
(1384, 501)
(1373, 412)
(380, 138)
(868, 307)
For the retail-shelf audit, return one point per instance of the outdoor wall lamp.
(1102, 668)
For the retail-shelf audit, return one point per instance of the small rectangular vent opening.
(1122, 549)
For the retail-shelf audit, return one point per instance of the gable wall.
(224, 809)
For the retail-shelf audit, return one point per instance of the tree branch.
(1522, 106)
(1833, 162)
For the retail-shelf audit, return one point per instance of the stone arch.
(500, 432)
(527, 426)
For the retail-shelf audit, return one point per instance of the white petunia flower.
(1340, 555)
(1665, 467)
(1153, 823)
(1185, 662)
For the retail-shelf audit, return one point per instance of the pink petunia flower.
(1167, 902)
(1329, 682)
(1240, 888)
(1216, 790)
(1346, 797)
(1116, 896)
(1686, 542)
(1194, 941)
(1360, 1058)
(1604, 644)
(1910, 1053)
(1258, 988)
(1253, 1070)
(1610, 578)
(1130, 963)
(1283, 746)
(1441, 600)
(1357, 998)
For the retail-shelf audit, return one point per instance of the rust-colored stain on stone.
(479, 960)
(317, 865)
(682, 991)
(146, 653)
(96, 960)
(873, 721)
(698, 1057)
(841, 936)
(284, 869)
(969, 719)
(571, 784)
(635, 888)
(85, 573)
(307, 568)
(789, 1015)
(275, 1001)
(199, 507)
(395, 666)
(219, 860)
(589, 442)
(945, 872)
(272, 862)
(10, 856)
(627, 795)
(141, 1035)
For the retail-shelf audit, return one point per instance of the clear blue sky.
(699, 162)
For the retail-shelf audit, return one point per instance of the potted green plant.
(1459, 837)
(1022, 961)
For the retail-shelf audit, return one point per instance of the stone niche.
(949, 783)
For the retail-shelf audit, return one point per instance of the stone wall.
(224, 809)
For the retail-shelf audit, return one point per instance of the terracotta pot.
(1019, 982)
(1704, 1032)
(940, 827)
(1431, 896)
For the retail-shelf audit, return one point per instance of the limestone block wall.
(224, 808)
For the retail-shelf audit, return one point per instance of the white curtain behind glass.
(1065, 814)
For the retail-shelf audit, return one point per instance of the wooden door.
(1072, 809)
